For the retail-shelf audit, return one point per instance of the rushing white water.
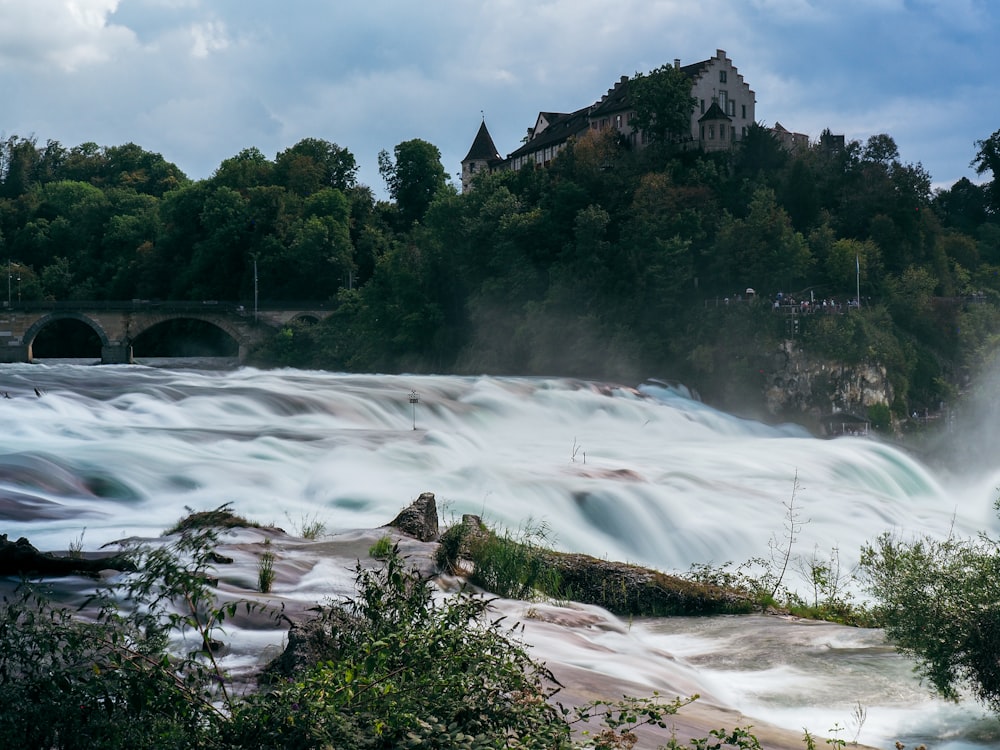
(646, 475)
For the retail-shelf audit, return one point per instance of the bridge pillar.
(15, 353)
(116, 353)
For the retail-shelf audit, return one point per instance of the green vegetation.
(939, 601)
(391, 668)
(265, 569)
(220, 518)
(611, 262)
(517, 566)
(382, 548)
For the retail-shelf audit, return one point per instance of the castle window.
(744, 109)
(618, 121)
(732, 108)
(722, 76)
(702, 106)
(711, 132)
(722, 132)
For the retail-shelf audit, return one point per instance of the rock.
(419, 520)
(21, 559)
(312, 641)
(627, 590)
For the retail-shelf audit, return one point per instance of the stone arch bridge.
(118, 324)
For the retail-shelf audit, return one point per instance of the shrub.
(939, 601)
(382, 548)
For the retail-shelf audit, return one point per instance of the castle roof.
(558, 131)
(715, 112)
(483, 147)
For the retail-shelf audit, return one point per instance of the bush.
(939, 601)
(404, 671)
(392, 668)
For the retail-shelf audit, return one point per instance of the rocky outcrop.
(419, 520)
(618, 587)
(801, 384)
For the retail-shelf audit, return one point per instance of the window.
(722, 76)
(722, 132)
(711, 132)
(744, 110)
(618, 122)
(732, 108)
(702, 106)
(724, 100)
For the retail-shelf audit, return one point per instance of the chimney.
(677, 63)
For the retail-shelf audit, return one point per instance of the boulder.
(419, 520)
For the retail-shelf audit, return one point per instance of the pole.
(857, 266)
(414, 398)
(9, 267)
(255, 290)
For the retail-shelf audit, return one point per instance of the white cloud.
(66, 34)
(208, 37)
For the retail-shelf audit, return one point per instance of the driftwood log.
(21, 559)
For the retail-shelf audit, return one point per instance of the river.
(645, 474)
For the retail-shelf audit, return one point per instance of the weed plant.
(382, 548)
(265, 569)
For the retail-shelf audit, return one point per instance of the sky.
(198, 81)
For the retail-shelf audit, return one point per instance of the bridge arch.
(139, 326)
(32, 333)
(185, 335)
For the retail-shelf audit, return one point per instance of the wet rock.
(21, 559)
(419, 520)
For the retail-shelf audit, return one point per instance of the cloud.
(67, 35)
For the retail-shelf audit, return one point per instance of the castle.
(723, 112)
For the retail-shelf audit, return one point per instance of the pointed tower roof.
(483, 148)
(715, 113)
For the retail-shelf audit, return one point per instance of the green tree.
(414, 177)
(987, 159)
(248, 169)
(762, 251)
(939, 601)
(313, 164)
(663, 104)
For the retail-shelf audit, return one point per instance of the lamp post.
(9, 267)
(255, 289)
(414, 400)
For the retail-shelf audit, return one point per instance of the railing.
(168, 306)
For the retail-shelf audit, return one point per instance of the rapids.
(644, 474)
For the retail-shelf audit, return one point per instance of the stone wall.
(800, 384)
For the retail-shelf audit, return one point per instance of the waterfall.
(643, 474)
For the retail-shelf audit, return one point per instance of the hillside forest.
(611, 263)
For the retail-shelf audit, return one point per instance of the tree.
(414, 178)
(663, 104)
(762, 251)
(987, 159)
(313, 164)
(248, 169)
(939, 601)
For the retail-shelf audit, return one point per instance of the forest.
(612, 263)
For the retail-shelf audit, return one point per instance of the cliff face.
(801, 385)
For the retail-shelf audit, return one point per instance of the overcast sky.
(199, 80)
